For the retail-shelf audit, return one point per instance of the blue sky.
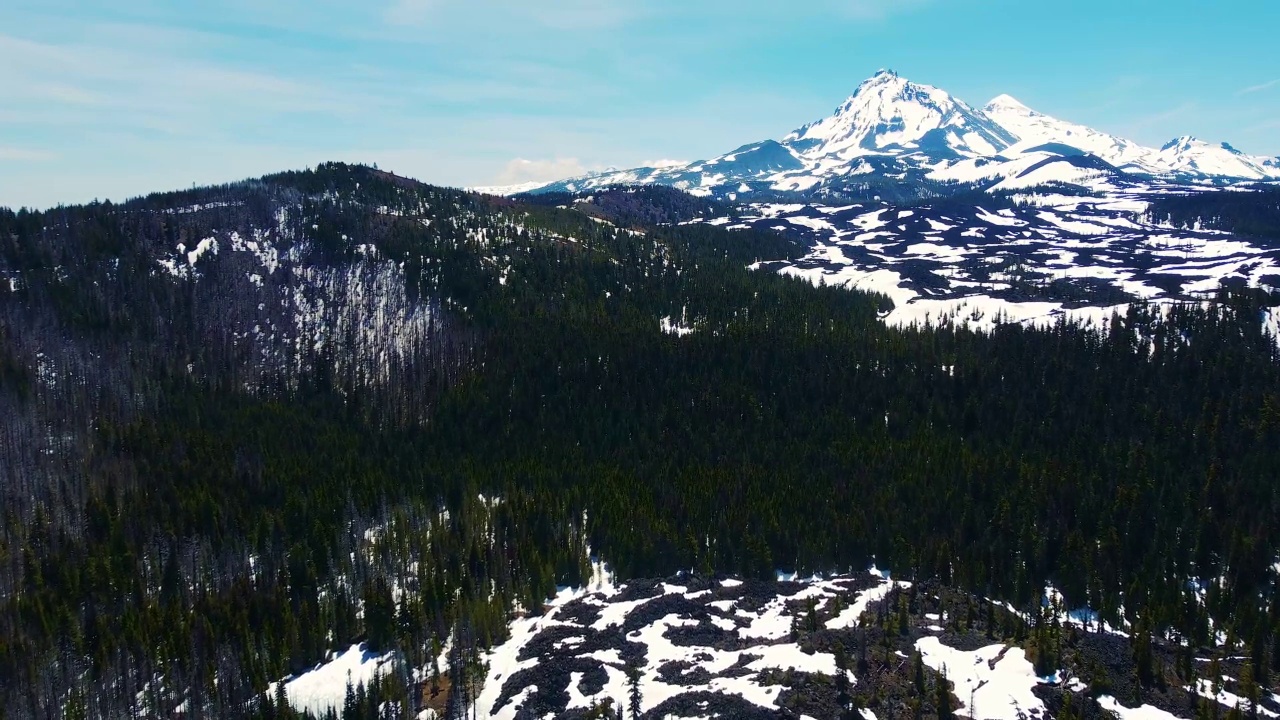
(115, 99)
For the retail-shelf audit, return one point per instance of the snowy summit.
(920, 139)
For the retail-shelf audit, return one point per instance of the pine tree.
(635, 698)
(942, 698)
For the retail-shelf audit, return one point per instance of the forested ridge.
(389, 412)
(1254, 212)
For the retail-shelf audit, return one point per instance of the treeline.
(196, 506)
(631, 206)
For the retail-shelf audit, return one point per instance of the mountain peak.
(1181, 143)
(1007, 103)
(882, 78)
(899, 129)
(890, 115)
(1189, 155)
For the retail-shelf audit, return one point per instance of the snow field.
(997, 680)
(765, 629)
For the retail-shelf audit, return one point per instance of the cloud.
(17, 154)
(521, 170)
(553, 14)
(875, 9)
(146, 88)
(1269, 125)
(664, 163)
(1259, 87)
(408, 12)
(1156, 119)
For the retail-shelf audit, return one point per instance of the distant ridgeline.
(244, 426)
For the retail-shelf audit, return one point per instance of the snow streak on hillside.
(714, 650)
(1053, 257)
(289, 309)
(814, 648)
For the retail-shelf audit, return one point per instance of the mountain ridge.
(893, 131)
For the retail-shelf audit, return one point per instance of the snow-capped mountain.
(891, 115)
(1185, 156)
(1190, 156)
(894, 137)
(1036, 129)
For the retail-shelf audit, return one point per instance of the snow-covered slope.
(817, 648)
(895, 137)
(892, 115)
(1048, 258)
(697, 648)
(1185, 157)
(324, 687)
(507, 190)
(1190, 156)
(890, 133)
(1035, 129)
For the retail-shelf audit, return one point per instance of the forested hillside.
(1251, 213)
(243, 426)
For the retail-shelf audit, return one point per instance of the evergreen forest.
(244, 426)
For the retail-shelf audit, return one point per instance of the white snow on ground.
(981, 312)
(1082, 617)
(1204, 688)
(1146, 712)
(937, 252)
(777, 210)
(507, 190)
(811, 223)
(995, 682)
(325, 686)
(672, 327)
(503, 660)
(849, 616)
(1076, 226)
(1056, 172)
(206, 245)
(998, 679)
(995, 219)
(770, 626)
(968, 266)
(885, 282)
(576, 698)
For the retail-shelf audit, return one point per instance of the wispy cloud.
(1258, 88)
(139, 95)
(576, 15)
(556, 14)
(876, 9)
(1159, 118)
(147, 87)
(663, 163)
(408, 12)
(17, 154)
(1269, 125)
